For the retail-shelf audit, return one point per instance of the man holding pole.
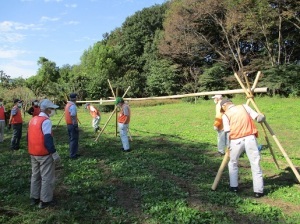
(238, 123)
(72, 125)
(218, 125)
(95, 115)
(123, 122)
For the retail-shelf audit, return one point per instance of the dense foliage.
(183, 46)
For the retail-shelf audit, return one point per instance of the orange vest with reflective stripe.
(36, 141)
(67, 114)
(17, 119)
(2, 114)
(241, 124)
(36, 111)
(122, 117)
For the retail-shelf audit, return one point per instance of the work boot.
(258, 195)
(34, 201)
(43, 205)
(234, 189)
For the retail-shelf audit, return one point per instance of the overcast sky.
(59, 30)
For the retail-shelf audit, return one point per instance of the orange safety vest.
(241, 124)
(122, 117)
(94, 113)
(67, 114)
(36, 140)
(36, 111)
(17, 119)
(2, 114)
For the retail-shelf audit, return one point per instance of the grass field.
(167, 177)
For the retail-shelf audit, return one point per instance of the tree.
(163, 78)
(42, 83)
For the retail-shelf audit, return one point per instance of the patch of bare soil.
(129, 199)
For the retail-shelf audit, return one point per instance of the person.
(34, 110)
(72, 125)
(222, 142)
(95, 115)
(123, 122)
(238, 123)
(43, 156)
(2, 120)
(16, 122)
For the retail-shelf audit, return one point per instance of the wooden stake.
(221, 169)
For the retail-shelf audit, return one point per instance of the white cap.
(44, 104)
(217, 96)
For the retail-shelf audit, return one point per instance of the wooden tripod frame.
(112, 113)
(249, 93)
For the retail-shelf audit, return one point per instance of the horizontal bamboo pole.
(223, 92)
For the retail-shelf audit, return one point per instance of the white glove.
(215, 128)
(56, 157)
(260, 118)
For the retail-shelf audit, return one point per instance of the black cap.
(18, 101)
(223, 102)
(73, 95)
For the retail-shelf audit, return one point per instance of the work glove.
(260, 118)
(56, 157)
(215, 128)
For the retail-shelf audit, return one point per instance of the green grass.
(165, 179)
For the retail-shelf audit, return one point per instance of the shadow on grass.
(165, 179)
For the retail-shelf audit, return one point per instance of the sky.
(59, 30)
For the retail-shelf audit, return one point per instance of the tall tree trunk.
(279, 32)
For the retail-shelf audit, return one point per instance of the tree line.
(183, 46)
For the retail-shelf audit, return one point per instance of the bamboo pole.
(271, 132)
(102, 130)
(222, 92)
(60, 120)
(220, 171)
(265, 133)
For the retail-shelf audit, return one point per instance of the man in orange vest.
(72, 125)
(95, 115)
(2, 120)
(238, 123)
(43, 156)
(218, 126)
(34, 110)
(123, 122)
(16, 122)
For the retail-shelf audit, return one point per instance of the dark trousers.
(73, 133)
(16, 137)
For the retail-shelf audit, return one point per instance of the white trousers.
(223, 141)
(237, 147)
(96, 121)
(123, 128)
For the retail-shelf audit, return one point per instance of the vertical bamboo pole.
(250, 95)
